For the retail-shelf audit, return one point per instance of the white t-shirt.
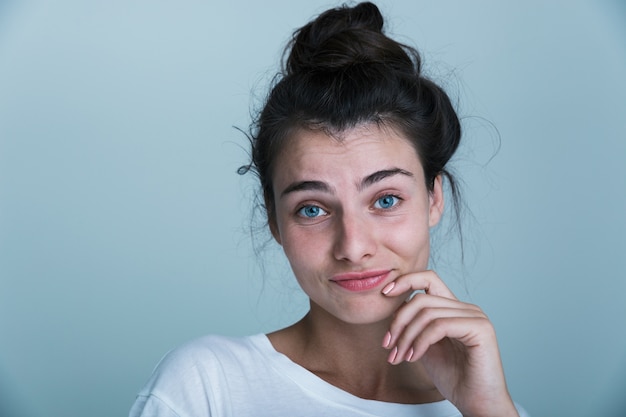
(238, 377)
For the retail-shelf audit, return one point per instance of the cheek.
(303, 249)
(412, 243)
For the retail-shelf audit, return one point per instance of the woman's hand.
(455, 342)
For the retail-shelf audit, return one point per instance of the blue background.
(125, 230)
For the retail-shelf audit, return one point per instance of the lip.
(361, 281)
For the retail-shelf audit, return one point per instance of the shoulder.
(207, 347)
(192, 379)
(206, 354)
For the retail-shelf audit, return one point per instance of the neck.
(342, 344)
(351, 357)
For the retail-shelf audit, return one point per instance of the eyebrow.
(381, 175)
(324, 187)
(307, 186)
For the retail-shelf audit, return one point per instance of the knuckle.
(438, 325)
(426, 315)
(474, 307)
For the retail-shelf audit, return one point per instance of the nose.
(354, 239)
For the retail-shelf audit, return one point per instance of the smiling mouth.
(361, 281)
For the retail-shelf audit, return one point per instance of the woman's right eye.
(311, 212)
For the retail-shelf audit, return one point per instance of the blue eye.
(311, 211)
(386, 202)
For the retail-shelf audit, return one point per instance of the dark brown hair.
(341, 70)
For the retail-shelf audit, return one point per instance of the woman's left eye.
(386, 202)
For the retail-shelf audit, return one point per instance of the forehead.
(356, 151)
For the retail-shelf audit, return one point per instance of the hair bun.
(342, 37)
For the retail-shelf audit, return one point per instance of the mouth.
(361, 281)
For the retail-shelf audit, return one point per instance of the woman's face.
(352, 215)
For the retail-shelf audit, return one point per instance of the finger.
(427, 281)
(417, 313)
(412, 308)
(404, 342)
(470, 331)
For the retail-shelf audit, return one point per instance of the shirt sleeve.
(188, 382)
(151, 406)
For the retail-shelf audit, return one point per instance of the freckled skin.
(357, 229)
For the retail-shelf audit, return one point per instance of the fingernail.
(409, 354)
(387, 340)
(388, 288)
(392, 355)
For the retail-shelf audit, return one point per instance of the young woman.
(351, 151)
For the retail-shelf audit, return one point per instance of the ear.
(270, 209)
(274, 229)
(436, 202)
